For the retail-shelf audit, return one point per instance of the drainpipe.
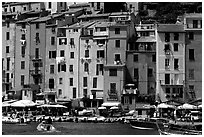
(78, 61)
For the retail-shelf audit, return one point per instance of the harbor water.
(72, 128)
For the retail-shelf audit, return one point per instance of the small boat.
(148, 123)
(45, 127)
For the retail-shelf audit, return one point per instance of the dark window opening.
(167, 37)
(175, 46)
(84, 81)
(86, 53)
(117, 30)
(51, 83)
(117, 43)
(71, 81)
(167, 78)
(94, 82)
(100, 54)
(112, 72)
(191, 55)
(135, 57)
(176, 64)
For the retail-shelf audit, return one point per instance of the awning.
(111, 104)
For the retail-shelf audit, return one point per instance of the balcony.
(167, 67)
(193, 27)
(112, 92)
(23, 30)
(142, 47)
(100, 60)
(145, 27)
(23, 42)
(35, 58)
(100, 33)
(129, 91)
(36, 73)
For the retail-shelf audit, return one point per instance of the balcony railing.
(36, 58)
(142, 48)
(101, 33)
(112, 92)
(145, 27)
(35, 72)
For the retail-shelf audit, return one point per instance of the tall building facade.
(8, 55)
(170, 66)
(193, 55)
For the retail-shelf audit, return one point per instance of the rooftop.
(170, 28)
(46, 18)
(17, 3)
(28, 20)
(79, 5)
(82, 24)
(193, 15)
(94, 15)
(72, 11)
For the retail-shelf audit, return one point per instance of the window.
(136, 73)
(37, 38)
(100, 41)
(23, 37)
(14, 9)
(176, 36)
(117, 30)
(117, 43)
(167, 65)
(52, 69)
(195, 23)
(60, 80)
(94, 82)
(62, 41)
(70, 81)
(52, 54)
(71, 55)
(49, 5)
(7, 77)
(167, 47)
(117, 57)
(63, 67)
(191, 74)
(59, 92)
(8, 63)
(7, 36)
(51, 83)
(86, 53)
(86, 67)
(5, 9)
(175, 46)
(23, 51)
(70, 68)
(150, 72)
(98, 5)
(22, 64)
(168, 90)
(23, 25)
(74, 92)
(7, 24)
(113, 87)
(154, 58)
(167, 78)
(61, 53)
(191, 55)
(191, 88)
(85, 92)
(99, 69)
(52, 40)
(112, 72)
(36, 53)
(176, 64)
(100, 54)
(71, 41)
(84, 81)
(167, 37)
(135, 57)
(191, 36)
(7, 49)
(61, 4)
(22, 80)
(24, 8)
(37, 26)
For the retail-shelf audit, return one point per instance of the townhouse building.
(193, 55)
(23, 56)
(141, 64)
(20, 7)
(170, 62)
(55, 7)
(8, 55)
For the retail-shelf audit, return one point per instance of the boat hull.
(143, 125)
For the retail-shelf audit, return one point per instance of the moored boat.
(147, 123)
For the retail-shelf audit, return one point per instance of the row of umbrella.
(163, 105)
(27, 103)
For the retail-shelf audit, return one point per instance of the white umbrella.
(23, 103)
(52, 106)
(8, 103)
(100, 108)
(114, 108)
(164, 105)
(200, 106)
(186, 106)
